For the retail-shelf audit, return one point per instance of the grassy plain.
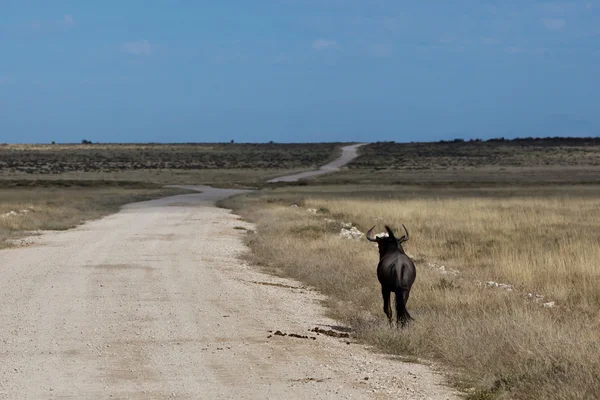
(519, 212)
(476, 163)
(58, 186)
(463, 155)
(498, 343)
(217, 163)
(232, 178)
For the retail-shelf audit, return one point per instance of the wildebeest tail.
(398, 278)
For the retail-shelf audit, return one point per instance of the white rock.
(352, 233)
(549, 304)
(311, 210)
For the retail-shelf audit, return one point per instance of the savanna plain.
(524, 214)
(57, 187)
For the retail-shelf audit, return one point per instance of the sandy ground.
(349, 153)
(154, 303)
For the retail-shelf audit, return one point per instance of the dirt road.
(154, 303)
(349, 153)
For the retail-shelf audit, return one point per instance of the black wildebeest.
(396, 273)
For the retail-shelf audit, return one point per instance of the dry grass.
(60, 208)
(476, 163)
(548, 152)
(545, 245)
(503, 344)
(216, 164)
(482, 176)
(212, 177)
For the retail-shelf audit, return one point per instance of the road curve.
(155, 302)
(349, 153)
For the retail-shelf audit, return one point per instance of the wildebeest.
(396, 273)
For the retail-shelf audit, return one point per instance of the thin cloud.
(515, 50)
(137, 48)
(68, 20)
(37, 26)
(554, 24)
(382, 50)
(282, 59)
(491, 9)
(533, 51)
(323, 44)
(447, 39)
(489, 41)
(561, 8)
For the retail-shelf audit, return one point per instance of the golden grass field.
(497, 343)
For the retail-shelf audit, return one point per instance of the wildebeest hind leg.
(402, 315)
(406, 294)
(385, 293)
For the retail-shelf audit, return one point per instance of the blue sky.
(297, 70)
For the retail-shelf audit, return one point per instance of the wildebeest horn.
(405, 237)
(369, 237)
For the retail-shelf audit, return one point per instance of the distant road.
(349, 153)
